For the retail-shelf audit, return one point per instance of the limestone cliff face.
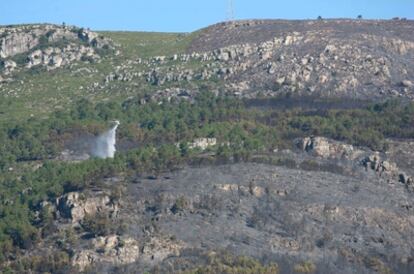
(15, 43)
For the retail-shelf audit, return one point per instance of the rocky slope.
(331, 58)
(327, 57)
(336, 207)
(50, 46)
(358, 59)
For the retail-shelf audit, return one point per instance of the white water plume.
(104, 146)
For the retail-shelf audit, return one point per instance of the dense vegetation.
(161, 132)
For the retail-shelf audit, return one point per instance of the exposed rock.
(157, 249)
(407, 83)
(227, 187)
(375, 163)
(16, 43)
(223, 56)
(256, 191)
(282, 245)
(9, 66)
(56, 57)
(321, 214)
(84, 259)
(56, 61)
(202, 143)
(326, 148)
(112, 249)
(51, 46)
(407, 181)
(76, 205)
(281, 80)
(72, 156)
(173, 93)
(308, 61)
(313, 58)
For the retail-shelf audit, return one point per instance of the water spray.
(104, 146)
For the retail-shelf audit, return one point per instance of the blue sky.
(188, 15)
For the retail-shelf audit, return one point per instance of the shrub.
(310, 165)
(179, 205)
(226, 263)
(99, 224)
(305, 267)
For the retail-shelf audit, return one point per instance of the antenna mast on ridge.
(230, 11)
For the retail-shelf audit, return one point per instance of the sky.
(189, 15)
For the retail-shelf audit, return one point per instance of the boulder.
(9, 66)
(223, 55)
(35, 58)
(56, 61)
(281, 80)
(407, 83)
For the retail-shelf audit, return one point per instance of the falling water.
(104, 146)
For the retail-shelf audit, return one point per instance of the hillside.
(260, 146)
(346, 58)
(331, 58)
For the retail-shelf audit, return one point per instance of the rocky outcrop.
(112, 249)
(375, 163)
(21, 39)
(157, 249)
(327, 148)
(256, 191)
(122, 250)
(313, 57)
(53, 58)
(310, 60)
(170, 94)
(381, 166)
(202, 143)
(51, 46)
(407, 181)
(318, 215)
(77, 205)
(13, 43)
(284, 245)
(8, 66)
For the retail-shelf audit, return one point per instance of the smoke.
(104, 145)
